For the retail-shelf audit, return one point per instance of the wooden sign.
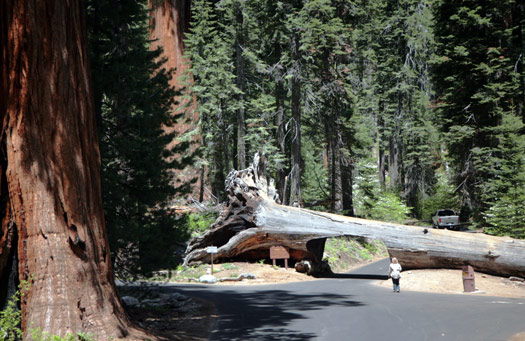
(279, 252)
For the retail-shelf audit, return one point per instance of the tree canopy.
(358, 101)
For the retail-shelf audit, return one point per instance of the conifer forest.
(118, 115)
(385, 109)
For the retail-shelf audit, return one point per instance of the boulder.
(130, 301)
(208, 279)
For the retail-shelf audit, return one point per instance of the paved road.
(351, 308)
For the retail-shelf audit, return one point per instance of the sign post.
(279, 252)
(212, 250)
(468, 275)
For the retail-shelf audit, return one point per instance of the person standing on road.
(394, 272)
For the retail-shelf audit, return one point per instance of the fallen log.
(253, 222)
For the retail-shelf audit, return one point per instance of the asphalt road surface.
(350, 307)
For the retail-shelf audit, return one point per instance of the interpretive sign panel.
(279, 252)
(211, 249)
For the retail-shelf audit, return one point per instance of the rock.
(119, 283)
(179, 297)
(238, 278)
(130, 301)
(303, 266)
(152, 303)
(516, 279)
(162, 273)
(208, 279)
(247, 276)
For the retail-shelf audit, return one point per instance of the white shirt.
(395, 270)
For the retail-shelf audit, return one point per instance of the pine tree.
(325, 41)
(505, 192)
(391, 44)
(210, 48)
(133, 102)
(477, 82)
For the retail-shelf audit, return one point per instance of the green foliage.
(315, 178)
(366, 187)
(389, 207)
(11, 316)
(373, 121)
(341, 253)
(38, 335)
(505, 193)
(200, 222)
(209, 46)
(10, 319)
(229, 266)
(133, 102)
(364, 254)
(477, 69)
(373, 247)
(443, 197)
(185, 273)
(349, 81)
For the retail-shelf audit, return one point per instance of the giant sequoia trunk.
(253, 222)
(170, 20)
(51, 202)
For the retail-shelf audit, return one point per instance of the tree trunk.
(170, 20)
(253, 222)
(241, 84)
(334, 152)
(280, 137)
(381, 162)
(346, 177)
(394, 160)
(295, 185)
(50, 174)
(280, 133)
(518, 37)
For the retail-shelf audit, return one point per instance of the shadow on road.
(264, 314)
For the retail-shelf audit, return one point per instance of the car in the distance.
(446, 219)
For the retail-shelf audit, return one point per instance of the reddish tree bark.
(50, 173)
(169, 20)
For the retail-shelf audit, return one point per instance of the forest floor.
(197, 321)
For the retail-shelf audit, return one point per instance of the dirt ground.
(436, 281)
(196, 322)
(450, 282)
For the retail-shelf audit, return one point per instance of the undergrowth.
(11, 318)
(342, 252)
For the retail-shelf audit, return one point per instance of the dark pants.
(396, 284)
